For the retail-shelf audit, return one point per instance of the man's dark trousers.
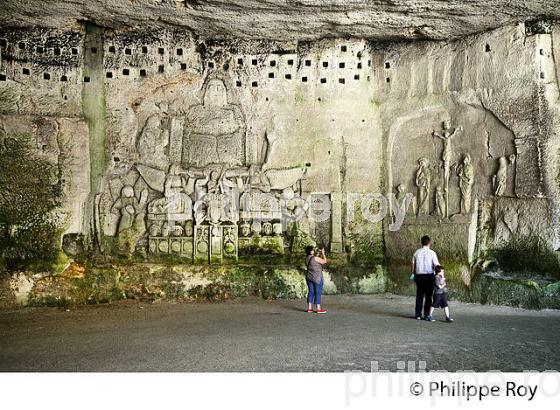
(424, 291)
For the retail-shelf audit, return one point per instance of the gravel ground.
(251, 334)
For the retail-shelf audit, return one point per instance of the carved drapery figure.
(131, 225)
(404, 200)
(446, 136)
(440, 202)
(422, 181)
(214, 130)
(176, 204)
(499, 181)
(154, 140)
(465, 172)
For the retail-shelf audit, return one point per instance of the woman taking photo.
(314, 278)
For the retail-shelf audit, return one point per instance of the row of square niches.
(44, 76)
(161, 69)
(57, 51)
(143, 73)
(178, 51)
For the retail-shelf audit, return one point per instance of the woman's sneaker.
(449, 319)
(430, 319)
(309, 310)
(321, 311)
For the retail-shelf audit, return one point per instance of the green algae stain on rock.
(30, 191)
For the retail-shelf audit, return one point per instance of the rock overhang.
(287, 20)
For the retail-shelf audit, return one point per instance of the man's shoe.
(418, 317)
(321, 311)
(449, 319)
(430, 319)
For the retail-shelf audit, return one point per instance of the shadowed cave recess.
(192, 149)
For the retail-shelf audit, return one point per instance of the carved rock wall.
(499, 90)
(162, 113)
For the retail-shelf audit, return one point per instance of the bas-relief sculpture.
(423, 180)
(499, 180)
(446, 136)
(436, 201)
(194, 196)
(465, 172)
(215, 130)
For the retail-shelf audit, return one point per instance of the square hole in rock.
(142, 72)
(126, 71)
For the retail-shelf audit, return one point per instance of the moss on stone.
(29, 195)
(527, 254)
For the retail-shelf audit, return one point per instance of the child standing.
(440, 295)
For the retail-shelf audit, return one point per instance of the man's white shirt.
(425, 260)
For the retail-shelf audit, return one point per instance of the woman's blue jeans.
(315, 290)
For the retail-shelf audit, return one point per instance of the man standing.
(423, 263)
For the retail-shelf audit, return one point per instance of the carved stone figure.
(446, 136)
(131, 225)
(404, 200)
(499, 181)
(422, 181)
(245, 229)
(440, 202)
(214, 130)
(176, 204)
(153, 142)
(465, 172)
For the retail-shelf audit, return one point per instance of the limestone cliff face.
(180, 99)
(287, 20)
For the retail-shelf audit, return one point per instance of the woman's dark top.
(314, 270)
